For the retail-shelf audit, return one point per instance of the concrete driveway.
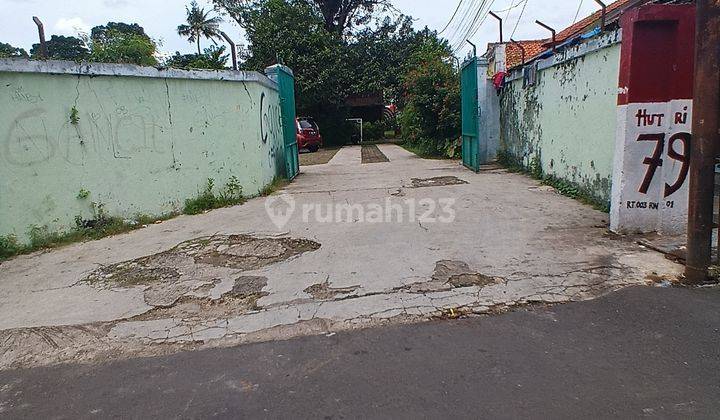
(347, 245)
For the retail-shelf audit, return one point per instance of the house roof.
(513, 53)
(580, 26)
(535, 48)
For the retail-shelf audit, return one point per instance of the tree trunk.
(198, 43)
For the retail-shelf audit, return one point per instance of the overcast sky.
(161, 17)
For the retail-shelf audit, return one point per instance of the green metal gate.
(285, 79)
(470, 128)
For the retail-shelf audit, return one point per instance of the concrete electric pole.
(706, 137)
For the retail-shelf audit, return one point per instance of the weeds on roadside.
(564, 187)
(102, 224)
(207, 199)
(276, 184)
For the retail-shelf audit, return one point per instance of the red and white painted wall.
(653, 141)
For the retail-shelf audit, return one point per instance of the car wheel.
(314, 148)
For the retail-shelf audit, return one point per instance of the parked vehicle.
(308, 134)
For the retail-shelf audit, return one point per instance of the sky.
(160, 18)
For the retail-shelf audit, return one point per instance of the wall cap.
(21, 65)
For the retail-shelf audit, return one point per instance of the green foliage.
(207, 199)
(337, 17)
(214, 58)
(430, 121)
(103, 224)
(8, 51)
(62, 48)
(74, 116)
(122, 43)
(564, 187)
(276, 184)
(330, 60)
(199, 25)
(9, 246)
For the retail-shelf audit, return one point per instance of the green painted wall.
(566, 122)
(139, 145)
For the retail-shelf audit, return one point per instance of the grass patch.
(207, 199)
(423, 152)
(103, 225)
(564, 187)
(277, 183)
(41, 237)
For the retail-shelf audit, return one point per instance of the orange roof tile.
(537, 47)
(513, 53)
(580, 26)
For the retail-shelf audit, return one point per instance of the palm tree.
(199, 24)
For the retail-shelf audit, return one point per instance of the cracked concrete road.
(232, 276)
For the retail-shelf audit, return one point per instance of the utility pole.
(41, 34)
(705, 140)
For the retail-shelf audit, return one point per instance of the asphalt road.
(641, 352)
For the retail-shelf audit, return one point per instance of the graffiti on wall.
(38, 135)
(654, 144)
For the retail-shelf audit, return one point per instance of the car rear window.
(304, 124)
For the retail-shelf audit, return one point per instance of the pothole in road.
(450, 274)
(195, 267)
(244, 252)
(323, 291)
(243, 298)
(437, 181)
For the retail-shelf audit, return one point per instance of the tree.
(8, 51)
(338, 16)
(119, 42)
(62, 48)
(431, 119)
(379, 56)
(293, 34)
(199, 24)
(213, 58)
(105, 33)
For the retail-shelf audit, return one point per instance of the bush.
(430, 121)
(9, 246)
(207, 200)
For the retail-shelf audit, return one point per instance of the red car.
(308, 134)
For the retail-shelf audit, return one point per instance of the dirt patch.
(323, 291)
(242, 299)
(244, 252)
(320, 157)
(195, 267)
(437, 181)
(372, 154)
(448, 275)
(459, 274)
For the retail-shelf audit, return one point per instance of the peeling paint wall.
(566, 122)
(138, 140)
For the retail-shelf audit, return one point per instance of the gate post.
(469, 114)
(285, 80)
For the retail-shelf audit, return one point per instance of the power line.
(468, 26)
(507, 9)
(578, 11)
(452, 17)
(461, 25)
(519, 18)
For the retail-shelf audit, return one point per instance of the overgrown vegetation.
(276, 184)
(208, 200)
(430, 121)
(564, 187)
(102, 224)
(213, 58)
